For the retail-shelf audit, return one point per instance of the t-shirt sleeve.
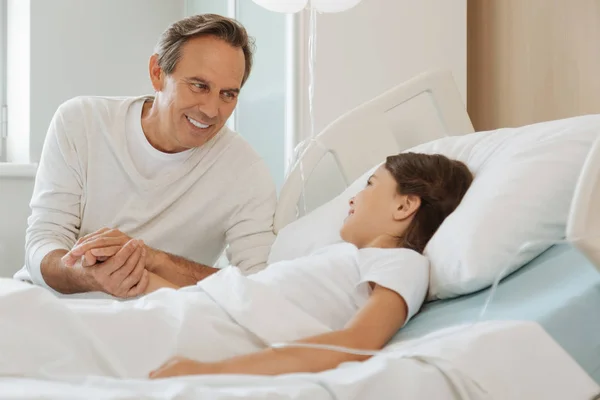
(404, 271)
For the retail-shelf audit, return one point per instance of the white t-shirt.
(98, 170)
(331, 284)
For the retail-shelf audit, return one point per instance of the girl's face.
(377, 212)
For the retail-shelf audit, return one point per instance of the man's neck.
(151, 126)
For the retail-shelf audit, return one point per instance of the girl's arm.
(371, 328)
(156, 282)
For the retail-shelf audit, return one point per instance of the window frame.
(3, 82)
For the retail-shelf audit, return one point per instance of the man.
(132, 186)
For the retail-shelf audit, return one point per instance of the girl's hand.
(180, 366)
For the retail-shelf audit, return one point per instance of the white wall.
(16, 186)
(87, 47)
(378, 44)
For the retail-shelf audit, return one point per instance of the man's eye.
(200, 86)
(229, 95)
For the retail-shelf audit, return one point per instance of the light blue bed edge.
(560, 290)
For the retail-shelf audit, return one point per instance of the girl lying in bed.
(355, 294)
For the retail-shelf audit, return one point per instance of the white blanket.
(87, 348)
(43, 336)
(510, 360)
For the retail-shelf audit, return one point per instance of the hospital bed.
(559, 290)
(539, 336)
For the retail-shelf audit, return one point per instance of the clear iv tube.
(304, 144)
(312, 56)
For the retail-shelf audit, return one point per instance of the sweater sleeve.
(57, 195)
(250, 234)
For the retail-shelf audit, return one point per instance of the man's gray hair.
(229, 30)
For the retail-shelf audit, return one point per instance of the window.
(3, 108)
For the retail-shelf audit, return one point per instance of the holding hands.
(112, 262)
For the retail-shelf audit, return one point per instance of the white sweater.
(222, 194)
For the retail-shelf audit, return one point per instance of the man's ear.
(157, 76)
(406, 207)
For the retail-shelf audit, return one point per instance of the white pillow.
(524, 182)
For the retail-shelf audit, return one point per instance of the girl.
(356, 294)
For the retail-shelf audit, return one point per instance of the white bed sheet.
(508, 360)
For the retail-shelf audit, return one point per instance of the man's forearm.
(178, 270)
(63, 279)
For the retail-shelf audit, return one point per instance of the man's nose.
(210, 107)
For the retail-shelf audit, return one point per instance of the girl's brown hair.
(439, 182)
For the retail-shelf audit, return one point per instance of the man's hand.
(96, 246)
(122, 275)
(100, 245)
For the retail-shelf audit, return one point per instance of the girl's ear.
(406, 207)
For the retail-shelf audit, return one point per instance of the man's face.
(198, 97)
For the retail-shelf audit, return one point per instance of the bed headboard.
(420, 110)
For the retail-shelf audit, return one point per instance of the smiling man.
(155, 184)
